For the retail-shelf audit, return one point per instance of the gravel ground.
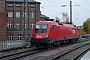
(13, 51)
(51, 53)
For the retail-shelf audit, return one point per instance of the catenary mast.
(25, 21)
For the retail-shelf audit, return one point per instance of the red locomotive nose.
(40, 35)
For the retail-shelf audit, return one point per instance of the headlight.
(32, 35)
(46, 35)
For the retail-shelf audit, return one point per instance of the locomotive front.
(40, 34)
(40, 31)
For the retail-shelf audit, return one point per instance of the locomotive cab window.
(41, 28)
(52, 28)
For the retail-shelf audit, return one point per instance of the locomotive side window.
(52, 28)
(41, 28)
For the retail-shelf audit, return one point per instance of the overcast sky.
(52, 9)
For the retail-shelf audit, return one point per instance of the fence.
(10, 44)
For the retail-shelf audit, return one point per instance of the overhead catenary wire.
(50, 6)
(51, 10)
(66, 5)
(73, 0)
(53, 3)
(81, 6)
(86, 2)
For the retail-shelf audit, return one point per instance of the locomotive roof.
(47, 22)
(69, 25)
(55, 23)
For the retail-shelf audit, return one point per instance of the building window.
(10, 25)
(32, 5)
(17, 25)
(19, 36)
(17, 4)
(11, 37)
(10, 4)
(28, 36)
(32, 14)
(10, 14)
(17, 14)
(31, 25)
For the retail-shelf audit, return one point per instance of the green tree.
(89, 28)
(86, 25)
(81, 32)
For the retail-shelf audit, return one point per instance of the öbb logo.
(38, 36)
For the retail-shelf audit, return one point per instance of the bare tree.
(65, 17)
(57, 19)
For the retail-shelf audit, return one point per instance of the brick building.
(3, 17)
(3, 29)
(14, 11)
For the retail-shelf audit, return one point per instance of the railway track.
(21, 54)
(58, 53)
(73, 54)
(17, 55)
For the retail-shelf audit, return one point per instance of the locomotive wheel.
(73, 40)
(50, 45)
(79, 39)
(56, 44)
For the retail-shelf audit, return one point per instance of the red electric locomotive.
(50, 33)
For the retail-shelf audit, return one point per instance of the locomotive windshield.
(41, 28)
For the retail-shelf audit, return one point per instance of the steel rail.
(19, 54)
(82, 53)
(70, 50)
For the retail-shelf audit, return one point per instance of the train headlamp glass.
(46, 35)
(32, 35)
